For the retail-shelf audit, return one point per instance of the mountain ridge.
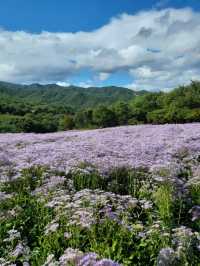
(73, 96)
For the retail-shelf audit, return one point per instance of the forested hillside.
(49, 108)
(72, 96)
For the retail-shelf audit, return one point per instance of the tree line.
(181, 105)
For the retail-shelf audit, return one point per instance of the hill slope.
(75, 97)
(48, 108)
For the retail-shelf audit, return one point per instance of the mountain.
(49, 108)
(73, 96)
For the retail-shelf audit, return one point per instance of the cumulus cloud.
(63, 83)
(158, 48)
(85, 84)
(103, 76)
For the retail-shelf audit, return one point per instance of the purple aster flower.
(106, 262)
(195, 211)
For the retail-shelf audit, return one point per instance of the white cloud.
(63, 83)
(158, 48)
(103, 76)
(84, 84)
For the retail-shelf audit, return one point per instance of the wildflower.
(18, 251)
(132, 203)
(51, 228)
(106, 262)
(142, 235)
(166, 141)
(4, 196)
(50, 261)
(166, 234)
(195, 211)
(70, 256)
(13, 234)
(88, 260)
(166, 257)
(27, 264)
(67, 235)
(146, 204)
(156, 226)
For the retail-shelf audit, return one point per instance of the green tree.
(104, 117)
(122, 112)
(84, 119)
(67, 122)
(157, 116)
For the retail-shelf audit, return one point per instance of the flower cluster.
(106, 197)
(134, 146)
(77, 258)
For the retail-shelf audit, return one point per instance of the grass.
(163, 198)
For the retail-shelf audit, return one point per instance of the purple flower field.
(120, 196)
(145, 145)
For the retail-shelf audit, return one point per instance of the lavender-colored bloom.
(109, 213)
(166, 257)
(26, 264)
(195, 211)
(50, 261)
(70, 255)
(4, 196)
(18, 251)
(67, 235)
(51, 228)
(106, 262)
(145, 204)
(162, 149)
(13, 235)
(134, 146)
(141, 234)
(89, 259)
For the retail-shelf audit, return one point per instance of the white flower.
(51, 228)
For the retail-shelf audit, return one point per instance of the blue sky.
(100, 42)
(74, 15)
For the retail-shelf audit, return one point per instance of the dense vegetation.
(129, 216)
(50, 108)
(71, 96)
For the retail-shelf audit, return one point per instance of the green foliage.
(53, 95)
(157, 116)
(128, 181)
(84, 119)
(84, 179)
(50, 108)
(9, 123)
(179, 106)
(31, 216)
(104, 117)
(164, 202)
(122, 112)
(124, 181)
(118, 243)
(39, 123)
(135, 238)
(195, 193)
(67, 122)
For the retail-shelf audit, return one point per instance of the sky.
(149, 45)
